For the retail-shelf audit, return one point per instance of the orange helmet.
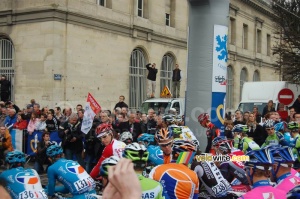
(103, 129)
(163, 134)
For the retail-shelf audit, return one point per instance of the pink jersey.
(263, 190)
(288, 182)
(115, 148)
(294, 172)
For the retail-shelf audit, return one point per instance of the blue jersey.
(23, 183)
(73, 176)
(155, 155)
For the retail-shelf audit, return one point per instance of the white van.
(259, 93)
(163, 105)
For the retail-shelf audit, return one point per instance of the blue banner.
(218, 110)
(17, 139)
(36, 137)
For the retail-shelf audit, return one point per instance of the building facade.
(56, 51)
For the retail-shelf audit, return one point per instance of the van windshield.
(249, 106)
(159, 107)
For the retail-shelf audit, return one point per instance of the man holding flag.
(91, 109)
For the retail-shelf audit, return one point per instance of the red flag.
(93, 103)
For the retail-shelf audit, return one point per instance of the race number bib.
(220, 188)
(84, 184)
(29, 194)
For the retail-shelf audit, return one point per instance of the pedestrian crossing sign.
(165, 93)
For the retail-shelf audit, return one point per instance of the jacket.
(7, 144)
(176, 75)
(152, 73)
(21, 125)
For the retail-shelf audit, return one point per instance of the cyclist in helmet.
(177, 179)
(164, 138)
(20, 182)
(139, 155)
(113, 147)
(246, 144)
(284, 159)
(68, 172)
(211, 132)
(126, 137)
(294, 193)
(108, 162)
(156, 154)
(274, 137)
(258, 170)
(294, 128)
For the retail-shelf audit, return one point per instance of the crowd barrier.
(19, 140)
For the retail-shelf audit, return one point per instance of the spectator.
(59, 115)
(256, 114)
(5, 88)
(132, 126)
(52, 123)
(268, 108)
(32, 123)
(144, 123)
(21, 123)
(121, 102)
(80, 114)
(238, 118)
(176, 81)
(71, 135)
(104, 117)
(41, 124)
(228, 124)
(67, 112)
(151, 122)
(5, 142)
(45, 110)
(36, 109)
(28, 111)
(11, 105)
(152, 71)
(290, 118)
(282, 112)
(246, 116)
(11, 118)
(3, 115)
(41, 157)
(78, 107)
(256, 131)
(296, 105)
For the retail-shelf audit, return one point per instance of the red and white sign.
(286, 96)
(93, 103)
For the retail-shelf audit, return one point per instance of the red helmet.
(103, 129)
(203, 117)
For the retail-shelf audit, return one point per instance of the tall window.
(243, 79)
(7, 52)
(229, 95)
(167, 19)
(268, 44)
(167, 67)
(232, 31)
(245, 36)
(258, 41)
(256, 77)
(137, 78)
(101, 2)
(140, 8)
(168, 12)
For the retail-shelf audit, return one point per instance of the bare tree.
(287, 36)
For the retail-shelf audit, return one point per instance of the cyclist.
(274, 137)
(284, 159)
(211, 132)
(155, 153)
(177, 179)
(138, 154)
(20, 182)
(246, 144)
(68, 172)
(164, 138)
(126, 137)
(258, 170)
(294, 193)
(110, 161)
(294, 128)
(112, 147)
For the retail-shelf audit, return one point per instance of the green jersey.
(296, 147)
(275, 139)
(248, 144)
(151, 188)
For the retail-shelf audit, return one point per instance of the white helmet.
(125, 136)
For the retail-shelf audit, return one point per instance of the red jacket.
(21, 125)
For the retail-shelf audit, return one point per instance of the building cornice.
(260, 6)
(9, 18)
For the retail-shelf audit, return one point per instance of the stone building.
(56, 51)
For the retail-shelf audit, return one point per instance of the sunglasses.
(268, 129)
(103, 137)
(167, 144)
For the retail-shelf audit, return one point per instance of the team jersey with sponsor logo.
(156, 156)
(247, 144)
(212, 178)
(275, 139)
(151, 189)
(177, 180)
(73, 176)
(263, 190)
(287, 182)
(23, 183)
(115, 148)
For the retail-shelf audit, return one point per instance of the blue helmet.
(15, 157)
(218, 140)
(146, 139)
(279, 126)
(54, 150)
(240, 128)
(259, 158)
(282, 154)
(294, 193)
(111, 161)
